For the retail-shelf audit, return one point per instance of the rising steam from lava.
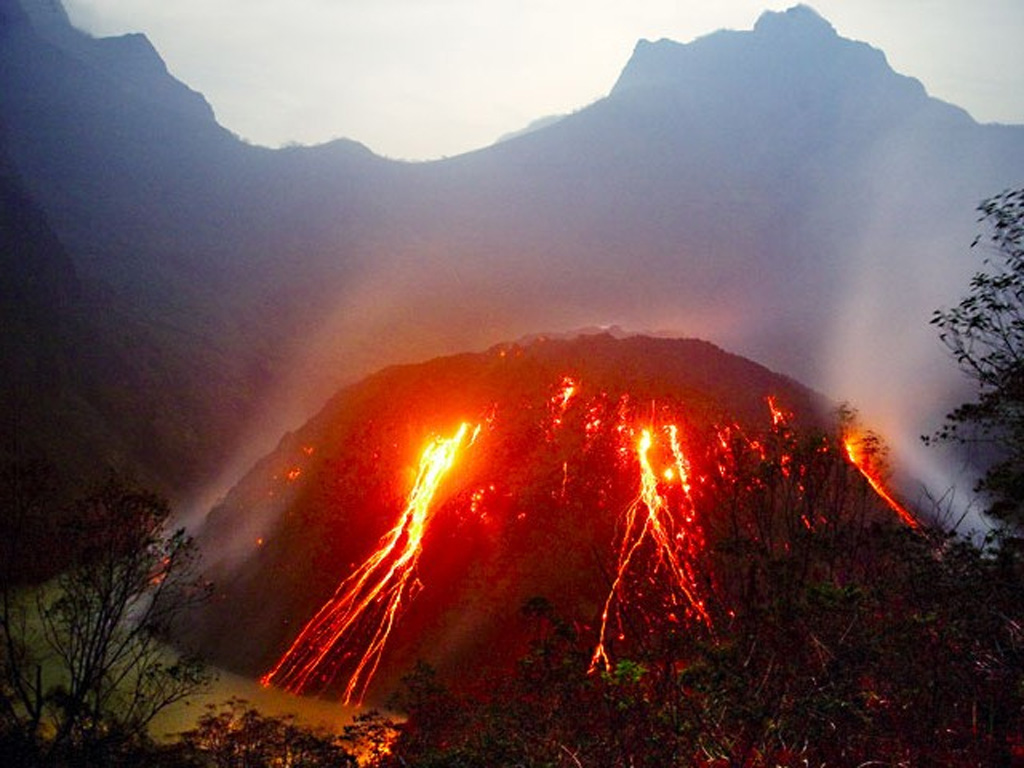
(659, 536)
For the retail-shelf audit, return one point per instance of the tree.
(83, 667)
(985, 334)
(371, 733)
(236, 734)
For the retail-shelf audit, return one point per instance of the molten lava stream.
(672, 531)
(372, 596)
(861, 460)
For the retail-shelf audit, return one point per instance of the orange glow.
(657, 546)
(371, 598)
(293, 474)
(779, 416)
(862, 461)
(671, 530)
(682, 466)
(560, 401)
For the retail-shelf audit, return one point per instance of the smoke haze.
(781, 192)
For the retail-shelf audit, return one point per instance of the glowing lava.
(658, 546)
(559, 402)
(369, 600)
(861, 459)
(670, 528)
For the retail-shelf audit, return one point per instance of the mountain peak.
(800, 20)
(46, 15)
(793, 57)
(798, 40)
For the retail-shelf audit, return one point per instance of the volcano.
(423, 507)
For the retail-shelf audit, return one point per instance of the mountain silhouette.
(170, 219)
(780, 191)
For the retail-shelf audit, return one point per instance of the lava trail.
(660, 538)
(671, 529)
(861, 459)
(370, 599)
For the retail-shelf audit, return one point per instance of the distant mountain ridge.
(167, 211)
(781, 192)
(780, 47)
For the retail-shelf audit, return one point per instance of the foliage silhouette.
(237, 734)
(985, 335)
(83, 670)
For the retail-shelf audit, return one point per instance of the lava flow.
(671, 528)
(371, 598)
(659, 546)
(861, 459)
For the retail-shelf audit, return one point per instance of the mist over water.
(309, 711)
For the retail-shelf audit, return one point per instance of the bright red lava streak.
(373, 595)
(670, 529)
(863, 465)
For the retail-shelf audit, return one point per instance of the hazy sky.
(419, 79)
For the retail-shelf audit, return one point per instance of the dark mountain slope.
(37, 298)
(146, 189)
(87, 377)
(206, 255)
(532, 506)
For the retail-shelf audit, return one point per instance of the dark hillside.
(188, 246)
(532, 506)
